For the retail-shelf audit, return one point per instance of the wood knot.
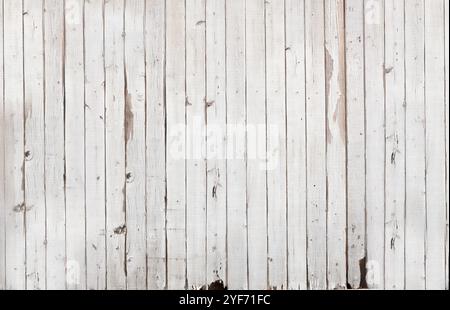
(120, 230)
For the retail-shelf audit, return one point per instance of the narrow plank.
(256, 144)
(216, 142)
(336, 143)
(115, 144)
(375, 142)
(14, 146)
(395, 145)
(296, 144)
(155, 141)
(2, 164)
(176, 143)
(447, 103)
(196, 144)
(276, 145)
(435, 144)
(74, 145)
(236, 148)
(356, 212)
(95, 145)
(135, 144)
(34, 143)
(316, 144)
(54, 142)
(415, 220)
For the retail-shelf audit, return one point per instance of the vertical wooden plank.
(155, 141)
(256, 144)
(115, 144)
(216, 141)
(2, 163)
(316, 143)
(435, 144)
(95, 145)
(394, 71)
(195, 143)
(447, 102)
(14, 145)
(415, 146)
(336, 143)
(356, 239)
(375, 144)
(54, 142)
(276, 145)
(135, 144)
(296, 143)
(34, 143)
(236, 163)
(74, 145)
(155, 40)
(176, 143)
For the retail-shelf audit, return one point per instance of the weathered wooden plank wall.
(284, 144)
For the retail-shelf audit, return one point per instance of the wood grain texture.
(295, 144)
(74, 87)
(435, 144)
(176, 144)
(209, 144)
(34, 143)
(195, 143)
(356, 134)
(276, 145)
(95, 145)
(256, 145)
(336, 143)
(316, 144)
(115, 144)
(135, 133)
(394, 75)
(14, 146)
(415, 213)
(237, 242)
(155, 144)
(375, 141)
(216, 142)
(54, 144)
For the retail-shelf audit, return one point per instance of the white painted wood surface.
(34, 144)
(115, 144)
(237, 242)
(295, 145)
(375, 115)
(435, 145)
(291, 144)
(336, 143)
(394, 76)
(256, 141)
(76, 93)
(415, 213)
(316, 196)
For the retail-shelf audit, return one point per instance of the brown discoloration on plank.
(329, 67)
(340, 112)
(129, 118)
